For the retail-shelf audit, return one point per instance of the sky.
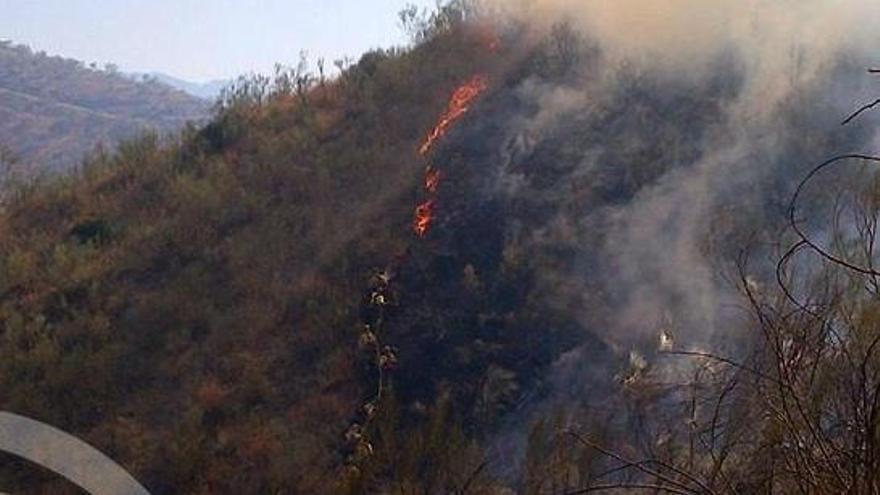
(201, 40)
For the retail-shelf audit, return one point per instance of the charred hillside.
(197, 309)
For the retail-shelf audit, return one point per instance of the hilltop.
(54, 110)
(209, 90)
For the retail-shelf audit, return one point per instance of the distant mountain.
(53, 110)
(208, 90)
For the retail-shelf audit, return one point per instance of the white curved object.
(65, 455)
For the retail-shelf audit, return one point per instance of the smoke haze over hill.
(769, 61)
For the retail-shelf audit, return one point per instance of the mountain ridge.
(55, 110)
(207, 90)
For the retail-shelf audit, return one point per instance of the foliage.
(189, 306)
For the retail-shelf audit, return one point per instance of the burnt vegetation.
(193, 307)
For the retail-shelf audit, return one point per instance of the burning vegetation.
(374, 314)
(432, 179)
(459, 104)
(423, 218)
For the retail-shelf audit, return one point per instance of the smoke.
(764, 75)
(680, 139)
(782, 43)
(646, 168)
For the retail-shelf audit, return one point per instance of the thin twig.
(725, 360)
(639, 465)
(629, 486)
(861, 110)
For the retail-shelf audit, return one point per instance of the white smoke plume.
(785, 52)
(782, 42)
(800, 70)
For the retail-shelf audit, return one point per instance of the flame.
(424, 217)
(432, 179)
(459, 104)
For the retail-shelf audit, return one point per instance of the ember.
(432, 179)
(424, 217)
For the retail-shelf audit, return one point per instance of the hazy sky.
(202, 39)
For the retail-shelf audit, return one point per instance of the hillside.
(54, 110)
(209, 90)
(571, 260)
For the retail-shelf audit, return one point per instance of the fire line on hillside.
(459, 104)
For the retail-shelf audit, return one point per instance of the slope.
(193, 308)
(55, 110)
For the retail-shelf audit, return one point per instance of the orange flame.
(459, 104)
(432, 179)
(424, 217)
